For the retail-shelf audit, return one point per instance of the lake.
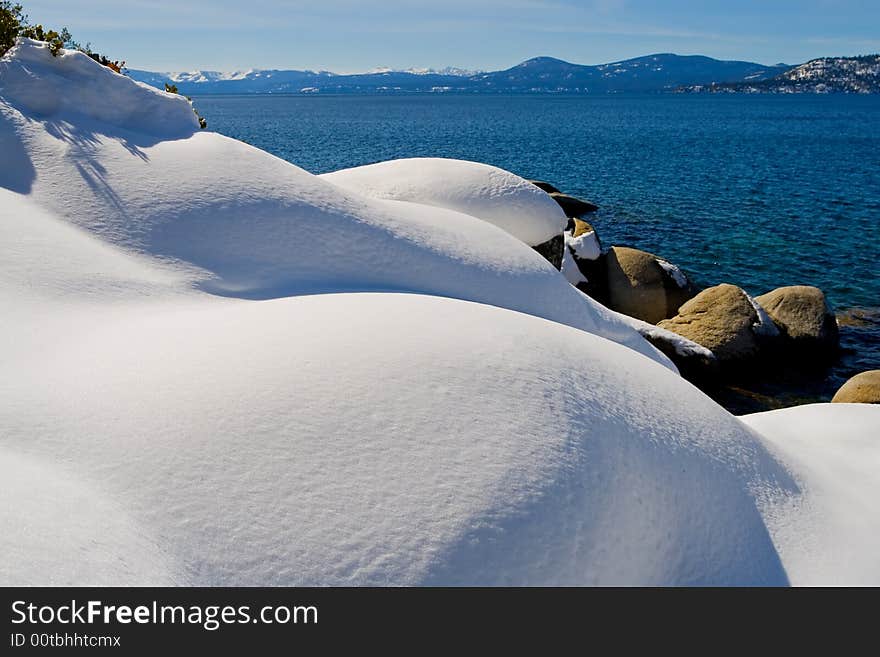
(756, 190)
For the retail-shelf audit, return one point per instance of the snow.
(47, 87)
(765, 325)
(480, 190)
(829, 535)
(570, 269)
(683, 346)
(294, 467)
(59, 531)
(675, 273)
(217, 368)
(585, 246)
(196, 203)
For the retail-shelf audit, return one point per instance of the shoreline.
(776, 375)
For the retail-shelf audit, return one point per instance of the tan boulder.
(863, 388)
(802, 314)
(644, 286)
(722, 319)
(581, 227)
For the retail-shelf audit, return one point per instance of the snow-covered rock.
(584, 245)
(829, 534)
(480, 190)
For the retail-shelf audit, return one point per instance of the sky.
(347, 36)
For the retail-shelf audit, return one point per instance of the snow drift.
(480, 190)
(73, 83)
(246, 224)
(221, 369)
(830, 534)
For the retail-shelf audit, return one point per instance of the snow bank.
(830, 534)
(72, 83)
(499, 448)
(238, 222)
(480, 190)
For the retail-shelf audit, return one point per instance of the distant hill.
(645, 74)
(653, 73)
(823, 75)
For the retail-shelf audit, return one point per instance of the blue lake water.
(760, 191)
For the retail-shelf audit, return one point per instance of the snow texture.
(216, 368)
(480, 190)
(830, 534)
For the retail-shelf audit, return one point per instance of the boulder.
(802, 315)
(724, 320)
(580, 227)
(644, 286)
(863, 388)
(573, 207)
(552, 250)
(545, 186)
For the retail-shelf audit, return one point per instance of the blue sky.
(353, 35)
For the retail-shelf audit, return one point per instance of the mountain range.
(650, 74)
(823, 75)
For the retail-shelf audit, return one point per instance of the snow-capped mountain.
(823, 75)
(448, 70)
(653, 73)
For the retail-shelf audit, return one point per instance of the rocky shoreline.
(723, 340)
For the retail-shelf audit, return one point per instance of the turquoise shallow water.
(760, 191)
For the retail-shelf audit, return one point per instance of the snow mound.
(499, 448)
(480, 190)
(235, 221)
(74, 84)
(222, 369)
(830, 534)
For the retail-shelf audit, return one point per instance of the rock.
(580, 227)
(863, 388)
(724, 320)
(573, 207)
(545, 186)
(644, 286)
(552, 250)
(803, 316)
